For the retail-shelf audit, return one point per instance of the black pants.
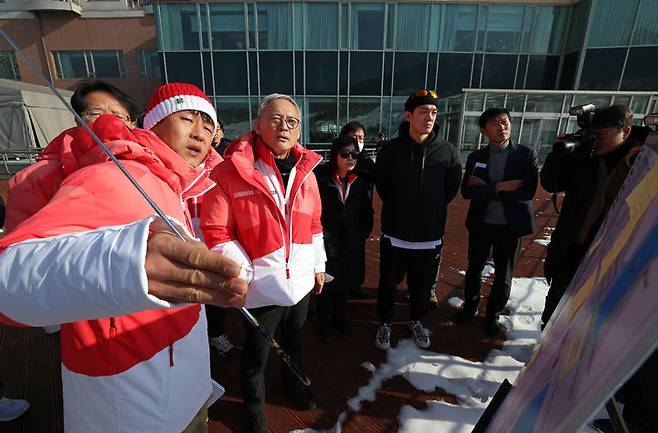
(332, 306)
(561, 279)
(420, 266)
(257, 349)
(506, 247)
(216, 317)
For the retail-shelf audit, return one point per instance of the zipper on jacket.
(171, 355)
(113, 327)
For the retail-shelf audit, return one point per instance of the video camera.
(584, 137)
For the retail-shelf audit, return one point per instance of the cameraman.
(590, 176)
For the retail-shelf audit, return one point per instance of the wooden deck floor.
(29, 359)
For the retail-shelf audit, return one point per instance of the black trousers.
(332, 306)
(257, 348)
(420, 266)
(506, 247)
(561, 279)
(216, 317)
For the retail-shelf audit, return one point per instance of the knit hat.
(421, 97)
(173, 97)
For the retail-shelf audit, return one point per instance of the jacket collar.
(147, 148)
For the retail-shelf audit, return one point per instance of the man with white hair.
(264, 214)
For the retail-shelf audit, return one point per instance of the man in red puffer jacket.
(264, 214)
(134, 342)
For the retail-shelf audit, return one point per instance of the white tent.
(30, 115)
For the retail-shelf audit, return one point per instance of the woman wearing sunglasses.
(347, 218)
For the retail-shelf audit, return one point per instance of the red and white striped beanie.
(173, 97)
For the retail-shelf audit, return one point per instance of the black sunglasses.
(346, 154)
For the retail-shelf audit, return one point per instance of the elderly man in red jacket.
(265, 215)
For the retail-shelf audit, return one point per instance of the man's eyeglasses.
(290, 122)
(346, 154)
(425, 92)
(93, 115)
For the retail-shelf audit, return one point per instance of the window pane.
(321, 72)
(206, 59)
(474, 102)
(231, 73)
(298, 25)
(416, 17)
(234, 112)
(612, 23)
(435, 23)
(71, 64)
(515, 103)
(577, 27)
(107, 64)
(367, 26)
(8, 66)
(344, 59)
(321, 116)
(639, 104)
(458, 28)
(299, 72)
(180, 27)
(645, 28)
(641, 67)
(321, 25)
(149, 64)
(568, 70)
(454, 72)
(409, 73)
(544, 103)
(542, 71)
(499, 71)
(274, 26)
(504, 28)
(477, 70)
(275, 72)
(366, 111)
(602, 69)
(495, 101)
(251, 25)
(543, 29)
(365, 73)
(390, 27)
(185, 67)
(227, 26)
(471, 133)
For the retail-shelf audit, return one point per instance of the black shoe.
(492, 327)
(301, 395)
(465, 315)
(257, 424)
(343, 328)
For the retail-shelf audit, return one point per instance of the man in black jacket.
(500, 180)
(417, 174)
(591, 179)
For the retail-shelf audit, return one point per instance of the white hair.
(273, 97)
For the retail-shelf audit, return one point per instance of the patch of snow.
(488, 270)
(473, 383)
(455, 302)
(368, 366)
(462, 272)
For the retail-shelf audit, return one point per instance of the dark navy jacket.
(521, 164)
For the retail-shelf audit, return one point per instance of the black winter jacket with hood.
(416, 181)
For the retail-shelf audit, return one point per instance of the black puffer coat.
(346, 227)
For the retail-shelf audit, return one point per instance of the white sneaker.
(421, 334)
(383, 336)
(221, 343)
(12, 409)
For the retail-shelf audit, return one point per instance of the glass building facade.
(359, 61)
